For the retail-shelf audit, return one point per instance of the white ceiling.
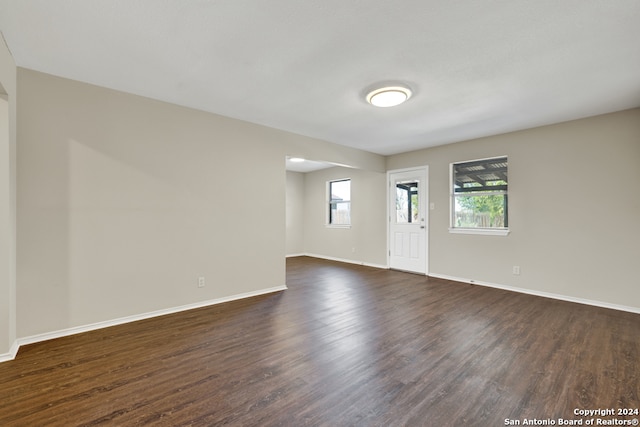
(476, 67)
(306, 165)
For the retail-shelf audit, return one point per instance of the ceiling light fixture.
(388, 96)
(296, 159)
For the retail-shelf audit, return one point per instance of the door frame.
(423, 169)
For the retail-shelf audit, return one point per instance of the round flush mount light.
(297, 159)
(389, 96)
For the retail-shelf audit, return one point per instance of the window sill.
(337, 226)
(482, 231)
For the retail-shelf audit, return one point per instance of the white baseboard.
(99, 325)
(497, 286)
(128, 319)
(294, 255)
(348, 261)
(13, 351)
(540, 293)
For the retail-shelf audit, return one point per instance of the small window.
(407, 205)
(339, 193)
(479, 199)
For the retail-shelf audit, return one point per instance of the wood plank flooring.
(346, 345)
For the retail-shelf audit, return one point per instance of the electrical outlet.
(201, 282)
(516, 270)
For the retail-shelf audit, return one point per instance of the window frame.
(491, 231)
(329, 202)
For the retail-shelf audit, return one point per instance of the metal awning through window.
(480, 175)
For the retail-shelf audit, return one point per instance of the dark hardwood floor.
(346, 345)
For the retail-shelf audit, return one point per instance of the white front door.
(408, 220)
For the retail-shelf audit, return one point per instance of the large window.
(339, 196)
(479, 199)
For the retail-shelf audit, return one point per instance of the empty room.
(411, 213)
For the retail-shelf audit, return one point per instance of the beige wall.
(573, 214)
(124, 202)
(365, 241)
(7, 201)
(295, 213)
